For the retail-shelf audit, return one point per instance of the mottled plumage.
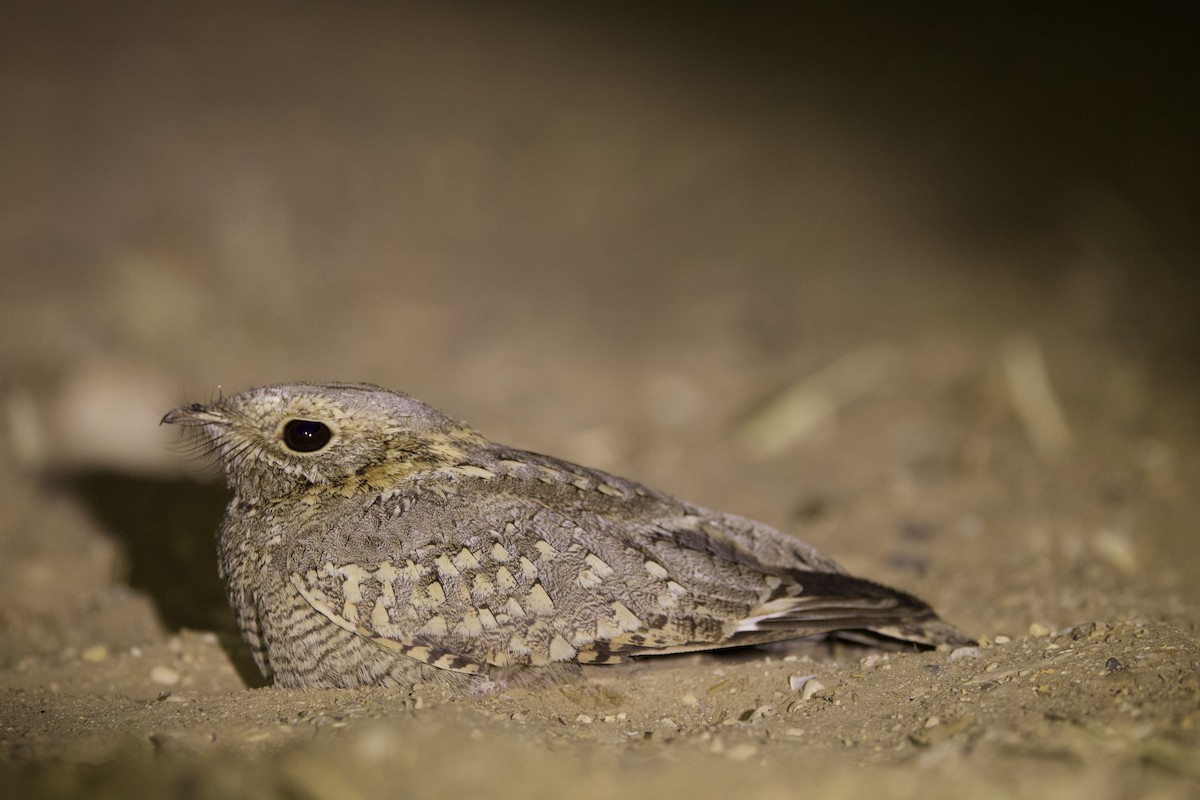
(373, 539)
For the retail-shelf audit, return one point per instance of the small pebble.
(933, 722)
(1037, 629)
(811, 688)
(797, 682)
(762, 711)
(164, 675)
(584, 719)
(1002, 639)
(1113, 665)
(690, 699)
(959, 653)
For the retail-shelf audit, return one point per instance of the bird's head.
(277, 441)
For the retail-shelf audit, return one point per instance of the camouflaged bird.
(372, 539)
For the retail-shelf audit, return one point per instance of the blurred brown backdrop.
(237, 193)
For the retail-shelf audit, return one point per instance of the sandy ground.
(921, 292)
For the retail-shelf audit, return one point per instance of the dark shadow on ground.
(168, 531)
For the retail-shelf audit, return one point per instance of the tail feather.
(811, 603)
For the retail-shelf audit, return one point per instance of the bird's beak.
(195, 414)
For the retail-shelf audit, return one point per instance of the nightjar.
(372, 539)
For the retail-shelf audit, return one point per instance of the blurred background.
(870, 273)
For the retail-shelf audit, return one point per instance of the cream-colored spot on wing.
(412, 571)
(606, 630)
(470, 625)
(385, 573)
(434, 593)
(561, 649)
(598, 565)
(513, 609)
(379, 616)
(499, 553)
(610, 490)
(487, 620)
(588, 579)
(353, 572)
(466, 560)
(352, 576)
(626, 619)
(675, 589)
(547, 550)
(436, 626)
(505, 579)
(420, 653)
(517, 646)
(482, 586)
(528, 569)
(656, 569)
(540, 602)
(445, 566)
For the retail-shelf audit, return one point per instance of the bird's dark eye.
(306, 435)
